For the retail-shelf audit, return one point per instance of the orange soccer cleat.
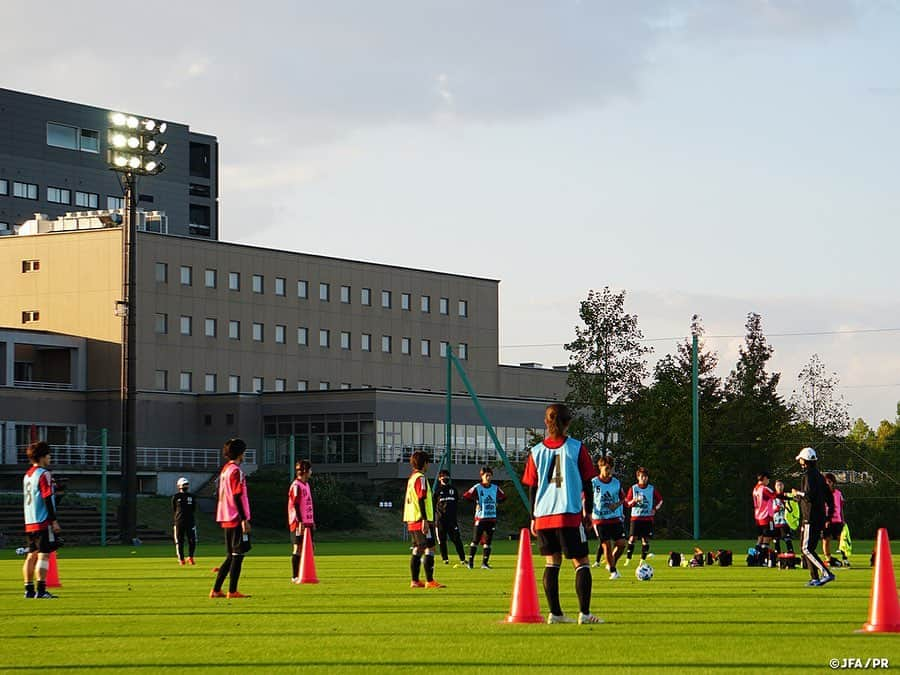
(216, 594)
(417, 584)
(237, 594)
(434, 584)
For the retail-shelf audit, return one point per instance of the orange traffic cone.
(53, 573)
(525, 607)
(884, 608)
(307, 563)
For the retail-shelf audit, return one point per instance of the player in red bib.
(233, 514)
(763, 513)
(300, 513)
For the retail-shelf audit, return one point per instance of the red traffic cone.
(525, 607)
(307, 563)
(53, 573)
(884, 608)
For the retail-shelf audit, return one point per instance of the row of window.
(211, 329)
(59, 195)
(72, 138)
(211, 280)
(211, 383)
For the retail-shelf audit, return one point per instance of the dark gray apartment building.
(53, 160)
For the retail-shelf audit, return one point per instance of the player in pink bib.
(300, 513)
(233, 514)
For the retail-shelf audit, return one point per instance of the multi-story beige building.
(343, 357)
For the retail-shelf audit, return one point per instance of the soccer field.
(121, 610)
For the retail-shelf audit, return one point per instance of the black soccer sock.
(629, 550)
(224, 569)
(428, 564)
(473, 548)
(486, 555)
(790, 544)
(459, 549)
(415, 564)
(29, 589)
(551, 588)
(235, 576)
(192, 546)
(443, 547)
(295, 565)
(778, 546)
(645, 549)
(41, 587)
(599, 553)
(583, 585)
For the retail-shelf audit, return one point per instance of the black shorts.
(833, 530)
(234, 539)
(570, 541)
(610, 531)
(767, 530)
(641, 528)
(421, 540)
(42, 541)
(484, 532)
(782, 532)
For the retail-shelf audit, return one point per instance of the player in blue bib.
(607, 516)
(41, 526)
(644, 500)
(486, 496)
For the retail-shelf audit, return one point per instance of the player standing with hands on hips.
(559, 472)
(233, 514)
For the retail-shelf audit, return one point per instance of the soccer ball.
(644, 572)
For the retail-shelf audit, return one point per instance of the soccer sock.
(486, 555)
(459, 549)
(192, 546)
(428, 564)
(224, 568)
(29, 589)
(790, 544)
(645, 549)
(295, 565)
(599, 553)
(236, 565)
(778, 546)
(41, 587)
(473, 547)
(629, 550)
(415, 564)
(551, 588)
(583, 584)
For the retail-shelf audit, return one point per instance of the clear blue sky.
(711, 158)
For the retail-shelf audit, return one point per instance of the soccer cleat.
(191, 561)
(470, 565)
(485, 566)
(588, 618)
(595, 564)
(627, 562)
(614, 575)
(649, 555)
(46, 595)
(826, 580)
(295, 580)
(559, 618)
(236, 594)
(417, 584)
(446, 562)
(181, 562)
(216, 594)
(846, 563)
(29, 595)
(812, 583)
(434, 584)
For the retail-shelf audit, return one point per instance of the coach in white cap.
(814, 497)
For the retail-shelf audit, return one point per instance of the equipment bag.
(674, 559)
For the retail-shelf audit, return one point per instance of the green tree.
(607, 365)
(815, 401)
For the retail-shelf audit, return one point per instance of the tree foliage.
(815, 400)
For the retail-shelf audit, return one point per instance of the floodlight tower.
(135, 148)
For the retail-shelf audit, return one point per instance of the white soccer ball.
(643, 572)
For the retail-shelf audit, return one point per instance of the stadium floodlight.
(134, 142)
(131, 122)
(118, 119)
(150, 166)
(117, 140)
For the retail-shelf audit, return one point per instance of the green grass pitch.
(122, 609)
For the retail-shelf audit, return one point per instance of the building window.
(162, 272)
(386, 344)
(4, 186)
(444, 346)
(199, 160)
(185, 382)
(280, 286)
(386, 299)
(198, 219)
(426, 304)
(186, 325)
(345, 385)
(210, 278)
(161, 380)
(302, 289)
(25, 190)
(257, 332)
(114, 203)
(302, 385)
(87, 200)
(462, 351)
(425, 347)
(280, 384)
(464, 308)
(405, 345)
(324, 386)
(444, 305)
(324, 292)
(57, 195)
(161, 323)
(302, 336)
(209, 382)
(90, 140)
(229, 419)
(31, 265)
(234, 330)
(234, 384)
(365, 297)
(187, 275)
(209, 328)
(365, 342)
(62, 136)
(405, 301)
(258, 282)
(207, 420)
(345, 295)
(324, 337)
(258, 384)
(345, 339)
(280, 334)
(234, 281)
(31, 315)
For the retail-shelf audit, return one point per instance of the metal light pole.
(134, 151)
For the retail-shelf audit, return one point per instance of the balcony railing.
(43, 385)
(402, 453)
(91, 457)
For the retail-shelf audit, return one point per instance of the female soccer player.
(486, 496)
(300, 513)
(233, 514)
